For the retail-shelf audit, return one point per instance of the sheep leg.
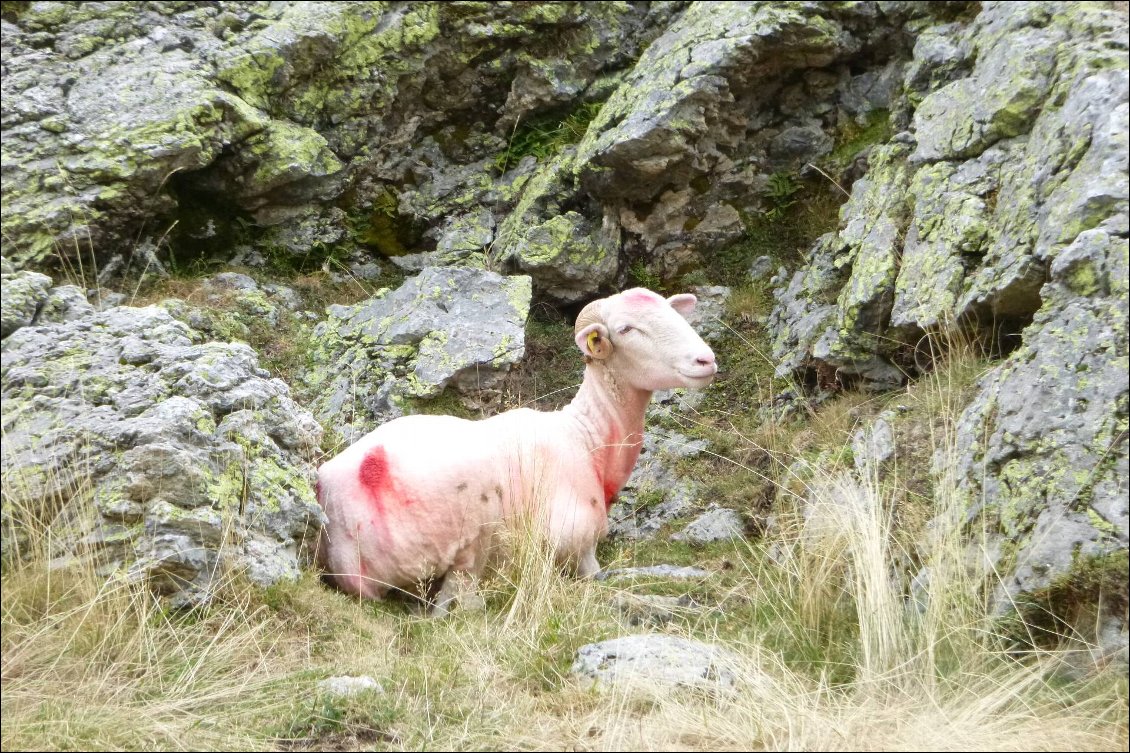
(588, 567)
(458, 586)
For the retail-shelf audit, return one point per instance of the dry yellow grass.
(831, 653)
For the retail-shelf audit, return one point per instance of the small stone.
(873, 446)
(719, 524)
(762, 266)
(672, 572)
(347, 686)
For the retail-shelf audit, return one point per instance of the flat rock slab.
(656, 660)
(719, 524)
(652, 609)
(654, 571)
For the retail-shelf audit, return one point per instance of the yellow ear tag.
(594, 338)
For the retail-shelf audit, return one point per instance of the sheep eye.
(625, 329)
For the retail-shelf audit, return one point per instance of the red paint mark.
(609, 494)
(614, 464)
(378, 480)
(374, 474)
(641, 297)
(602, 465)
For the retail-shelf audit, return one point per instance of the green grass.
(546, 136)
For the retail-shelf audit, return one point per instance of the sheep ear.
(683, 303)
(593, 341)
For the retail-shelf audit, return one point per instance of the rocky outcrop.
(170, 459)
(30, 299)
(1001, 209)
(446, 326)
(1042, 449)
(576, 146)
(121, 119)
(960, 217)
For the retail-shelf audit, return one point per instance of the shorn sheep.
(422, 498)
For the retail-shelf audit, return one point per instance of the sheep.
(422, 498)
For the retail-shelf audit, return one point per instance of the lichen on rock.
(400, 344)
(179, 461)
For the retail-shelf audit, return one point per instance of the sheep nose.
(704, 359)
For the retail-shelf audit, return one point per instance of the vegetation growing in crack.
(546, 136)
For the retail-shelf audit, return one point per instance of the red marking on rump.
(378, 480)
(374, 474)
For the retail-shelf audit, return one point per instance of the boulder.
(176, 461)
(457, 327)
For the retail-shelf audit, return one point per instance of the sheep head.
(646, 339)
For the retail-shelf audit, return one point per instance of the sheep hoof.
(459, 588)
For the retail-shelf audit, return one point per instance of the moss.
(382, 227)
(11, 10)
(446, 403)
(1067, 606)
(855, 137)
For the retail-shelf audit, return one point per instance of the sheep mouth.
(703, 376)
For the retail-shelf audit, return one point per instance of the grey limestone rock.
(656, 659)
(873, 445)
(447, 326)
(346, 686)
(717, 524)
(185, 457)
(24, 292)
(654, 571)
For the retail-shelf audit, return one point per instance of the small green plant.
(364, 716)
(855, 137)
(782, 189)
(545, 137)
(644, 276)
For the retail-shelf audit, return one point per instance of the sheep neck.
(611, 417)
